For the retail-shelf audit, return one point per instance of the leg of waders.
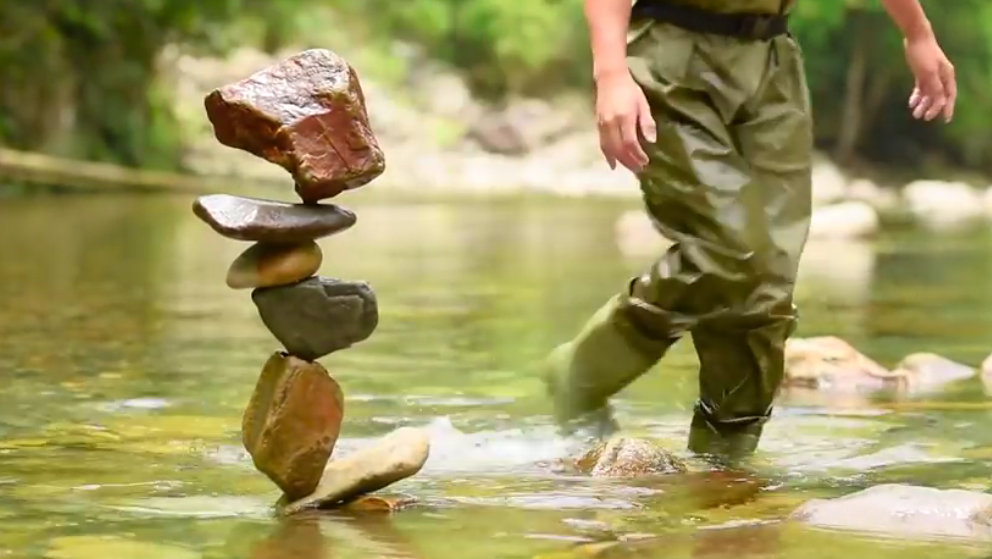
(729, 182)
(742, 355)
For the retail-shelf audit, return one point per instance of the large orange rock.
(306, 114)
(292, 423)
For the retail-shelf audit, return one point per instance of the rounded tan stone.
(271, 265)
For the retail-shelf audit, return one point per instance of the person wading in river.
(707, 102)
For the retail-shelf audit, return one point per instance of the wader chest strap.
(752, 26)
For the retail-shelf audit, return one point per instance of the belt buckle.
(756, 26)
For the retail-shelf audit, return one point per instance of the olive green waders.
(729, 183)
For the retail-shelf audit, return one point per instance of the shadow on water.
(127, 364)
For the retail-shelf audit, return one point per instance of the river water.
(126, 364)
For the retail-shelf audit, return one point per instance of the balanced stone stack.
(306, 114)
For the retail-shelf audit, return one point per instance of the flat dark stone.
(255, 219)
(319, 315)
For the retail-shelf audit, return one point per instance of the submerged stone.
(270, 265)
(830, 363)
(929, 370)
(904, 510)
(306, 114)
(397, 456)
(629, 457)
(292, 423)
(318, 316)
(270, 221)
(378, 504)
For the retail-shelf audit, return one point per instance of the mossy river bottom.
(127, 362)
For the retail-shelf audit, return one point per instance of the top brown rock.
(306, 114)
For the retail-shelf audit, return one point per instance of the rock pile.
(306, 114)
(830, 364)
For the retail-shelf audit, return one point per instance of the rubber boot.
(600, 361)
(724, 444)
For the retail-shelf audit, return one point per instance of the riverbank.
(439, 139)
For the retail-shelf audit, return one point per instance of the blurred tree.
(83, 70)
(79, 74)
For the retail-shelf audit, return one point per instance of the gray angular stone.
(319, 315)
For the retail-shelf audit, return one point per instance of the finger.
(648, 127)
(951, 86)
(609, 135)
(608, 156)
(921, 107)
(935, 109)
(633, 153)
(933, 90)
(915, 96)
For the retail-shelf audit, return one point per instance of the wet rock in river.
(628, 457)
(292, 423)
(904, 510)
(318, 316)
(396, 456)
(270, 265)
(254, 219)
(830, 363)
(306, 114)
(987, 374)
(926, 370)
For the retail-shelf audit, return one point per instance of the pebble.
(395, 457)
(292, 423)
(318, 316)
(306, 114)
(270, 265)
(270, 221)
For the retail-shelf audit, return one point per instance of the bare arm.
(607, 21)
(621, 108)
(909, 17)
(935, 91)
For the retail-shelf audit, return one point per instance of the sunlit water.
(126, 363)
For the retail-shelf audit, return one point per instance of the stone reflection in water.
(313, 535)
(731, 542)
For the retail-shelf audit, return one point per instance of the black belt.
(752, 26)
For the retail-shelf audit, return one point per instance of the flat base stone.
(396, 456)
(292, 422)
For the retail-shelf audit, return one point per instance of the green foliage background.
(79, 74)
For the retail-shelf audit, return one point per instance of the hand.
(622, 108)
(936, 88)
